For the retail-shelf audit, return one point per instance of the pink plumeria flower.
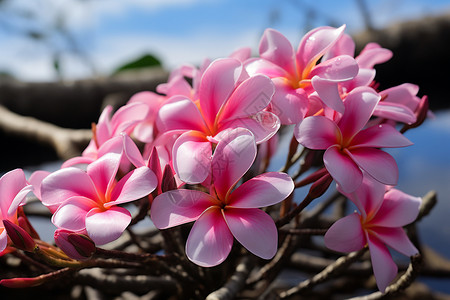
(349, 147)
(13, 190)
(226, 212)
(123, 120)
(378, 223)
(89, 200)
(297, 75)
(228, 98)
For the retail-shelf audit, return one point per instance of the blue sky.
(110, 33)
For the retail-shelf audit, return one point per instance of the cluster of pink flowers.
(205, 135)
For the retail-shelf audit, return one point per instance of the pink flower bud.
(20, 238)
(168, 181)
(320, 186)
(76, 245)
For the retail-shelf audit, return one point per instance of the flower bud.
(20, 238)
(168, 180)
(320, 186)
(76, 245)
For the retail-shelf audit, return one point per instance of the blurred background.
(62, 61)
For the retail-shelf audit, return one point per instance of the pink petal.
(79, 160)
(233, 157)
(398, 209)
(127, 116)
(346, 234)
(263, 190)
(115, 220)
(383, 266)
(369, 196)
(329, 93)
(254, 229)
(113, 145)
(343, 169)
(132, 152)
(10, 185)
(263, 125)
(103, 172)
(177, 85)
(359, 106)
(276, 48)
(261, 66)
(344, 46)
(136, 184)
(241, 54)
(71, 214)
(380, 136)
(35, 180)
(178, 113)
(217, 83)
(394, 111)
(289, 104)
(402, 94)
(144, 132)
(210, 239)
(372, 55)
(397, 239)
(103, 130)
(18, 200)
(315, 43)
(377, 163)
(337, 69)
(317, 133)
(191, 156)
(249, 98)
(178, 207)
(64, 184)
(3, 239)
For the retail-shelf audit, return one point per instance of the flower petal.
(383, 266)
(318, 133)
(66, 183)
(397, 239)
(261, 66)
(373, 54)
(132, 152)
(377, 163)
(329, 93)
(263, 190)
(263, 125)
(276, 48)
(71, 214)
(315, 43)
(359, 106)
(395, 111)
(11, 185)
(180, 112)
(346, 234)
(3, 239)
(191, 156)
(254, 229)
(289, 104)
(249, 98)
(398, 209)
(217, 83)
(380, 136)
(178, 207)
(36, 180)
(127, 116)
(136, 184)
(103, 172)
(210, 239)
(233, 156)
(104, 226)
(343, 169)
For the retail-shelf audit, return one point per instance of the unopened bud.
(421, 114)
(82, 244)
(168, 182)
(20, 238)
(320, 186)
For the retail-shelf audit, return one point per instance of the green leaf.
(145, 61)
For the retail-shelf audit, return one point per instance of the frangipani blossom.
(89, 200)
(349, 147)
(13, 190)
(228, 98)
(123, 120)
(378, 223)
(224, 212)
(297, 75)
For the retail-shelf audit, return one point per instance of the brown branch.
(66, 142)
(235, 284)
